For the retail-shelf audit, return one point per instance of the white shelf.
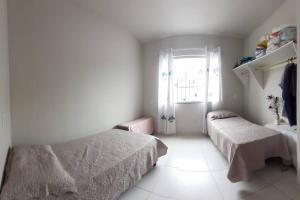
(257, 67)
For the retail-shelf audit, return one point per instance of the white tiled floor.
(194, 169)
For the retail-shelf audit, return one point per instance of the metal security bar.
(187, 89)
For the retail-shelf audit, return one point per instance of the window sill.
(194, 102)
(190, 102)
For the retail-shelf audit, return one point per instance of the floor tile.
(194, 169)
(237, 191)
(186, 144)
(156, 197)
(170, 141)
(288, 185)
(151, 178)
(168, 181)
(208, 146)
(274, 172)
(162, 161)
(188, 161)
(216, 161)
(268, 193)
(135, 194)
(188, 185)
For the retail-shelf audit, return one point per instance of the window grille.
(189, 79)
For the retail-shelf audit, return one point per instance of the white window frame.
(192, 53)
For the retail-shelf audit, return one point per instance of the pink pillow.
(221, 114)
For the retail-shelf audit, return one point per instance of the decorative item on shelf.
(281, 36)
(236, 65)
(291, 60)
(262, 46)
(246, 59)
(274, 107)
(260, 52)
(258, 67)
(288, 34)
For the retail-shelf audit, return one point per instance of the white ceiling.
(152, 19)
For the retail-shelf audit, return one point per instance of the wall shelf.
(257, 67)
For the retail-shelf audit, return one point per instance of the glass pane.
(189, 79)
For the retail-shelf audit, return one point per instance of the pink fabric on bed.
(143, 125)
(246, 145)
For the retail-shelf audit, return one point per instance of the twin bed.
(245, 145)
(103, 166)
(97, 167)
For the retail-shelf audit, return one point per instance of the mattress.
(246, 145)
(107, 164)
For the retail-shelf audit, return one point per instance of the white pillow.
(221, 114)
(35, 172)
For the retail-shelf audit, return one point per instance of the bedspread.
(107, 164)
(246, 145)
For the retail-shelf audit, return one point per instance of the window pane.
(189, 79)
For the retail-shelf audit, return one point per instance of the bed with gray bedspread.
(98, 167)
(245, 145)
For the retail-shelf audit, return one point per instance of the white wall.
(286, 14)
(73, 73)
(188, 115)
(5, 137)
(298, 94)
(255, 97)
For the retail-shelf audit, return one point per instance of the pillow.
(35, 173)
(221, 114)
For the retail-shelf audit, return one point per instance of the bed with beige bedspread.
(99, 167)
(245, 145)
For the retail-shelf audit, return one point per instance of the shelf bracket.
(258, 75)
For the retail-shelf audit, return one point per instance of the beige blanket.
(246, 145)
(105, 165)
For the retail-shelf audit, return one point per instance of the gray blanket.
(105, 165)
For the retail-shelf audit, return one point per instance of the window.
(189, 79)
(193, 81)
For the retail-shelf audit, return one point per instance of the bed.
(290, 133)
(143, 125)
(245, 145)
(99, 167)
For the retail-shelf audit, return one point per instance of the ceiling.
(152, 19)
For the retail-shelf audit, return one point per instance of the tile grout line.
(153, 192)
(215, 182)
(281, 191)
(163, 196)
(211, 171)
(262, 188)
(213, 178)
(207, 171)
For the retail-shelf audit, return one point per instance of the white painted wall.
(255, 97)
(189, 115)
(285, 14)
(73, 73)
(298, 92)
(5, 137)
